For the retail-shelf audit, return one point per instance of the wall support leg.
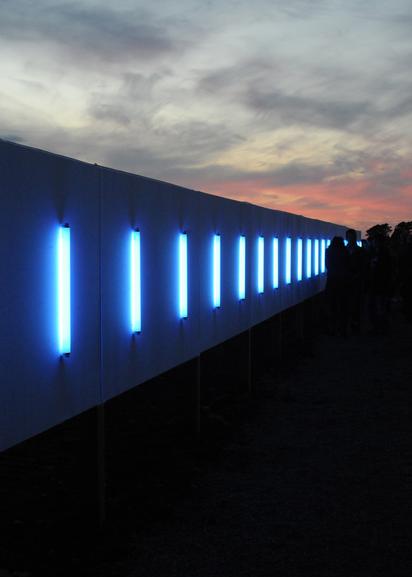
(101, 465)
(250, 362)
(197, 395)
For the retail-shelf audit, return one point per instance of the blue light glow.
(216, 270)
(322, 255)
(328, 243)
(64, 296)
(346, 242)
(299, 254)
(135, 283)
(308, 257)
(359, 243)
(261, 264)
(242, 268)
(183, 275)
(316, 257)
(288, 260)
(275, 279)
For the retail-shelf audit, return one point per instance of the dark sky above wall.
(302, 106)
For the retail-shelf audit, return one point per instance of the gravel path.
(316, 482)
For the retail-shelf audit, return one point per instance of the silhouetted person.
(380, 277)
(337, 264)
(355, 280)
(406, 279)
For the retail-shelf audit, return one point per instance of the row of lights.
(183, 298)
(313, 254)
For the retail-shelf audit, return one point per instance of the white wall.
(40, 191)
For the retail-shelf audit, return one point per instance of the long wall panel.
(38, 387)
(40, 192)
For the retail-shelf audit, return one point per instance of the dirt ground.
(314, 480)
(311, 476)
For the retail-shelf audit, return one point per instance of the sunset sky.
(298, 105)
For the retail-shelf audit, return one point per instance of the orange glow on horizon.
(352, 203)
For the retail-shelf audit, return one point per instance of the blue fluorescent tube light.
(183, 275)
(299, 259)
(275, 277)
(216, 271)
(322, 256)
(64, 297)
(328, 243)
(308, 257)
(261, 265)
(359, 243)
(288, 260)
(242, 268)
(316, 257)
(135, 283)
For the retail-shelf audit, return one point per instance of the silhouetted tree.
(401, 250)
(379, 231)
(402, 231)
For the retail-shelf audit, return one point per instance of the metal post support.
(299, 322)
(250, 361)
(197, 395)
(101, 466)
(278, 337)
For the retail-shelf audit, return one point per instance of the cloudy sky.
(298, 105)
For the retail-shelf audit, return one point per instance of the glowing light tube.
(135, 283)
(261, 265)
(275, 277)
(308, 257)
(328, 243)
(299, 254)
(322, 255)
(316, 257)
(183, 275)
(288, 260)
(64, 296)
(216, 270)
(359, 243)
(242, 268)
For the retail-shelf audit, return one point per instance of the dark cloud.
(251, 85)
(198, 139)
(401, 108)
(97, 33)
(111, 112)
(137, 159)
(170, 155)
(337, 98)
(285, 176)
(232, 80)
(295, 109)
(297, 174)
(133, 102)
(312, 203)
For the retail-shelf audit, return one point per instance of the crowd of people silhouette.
(364, 281)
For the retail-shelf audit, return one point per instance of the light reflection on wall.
(308, 257)
(135, 282)
(322, 255)
(275, 263)
(242, 268)
(216, 271)
(64, 290)
(288, 260)
(183, 305)
(299, 258)
(316, 257)
(261, 265)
